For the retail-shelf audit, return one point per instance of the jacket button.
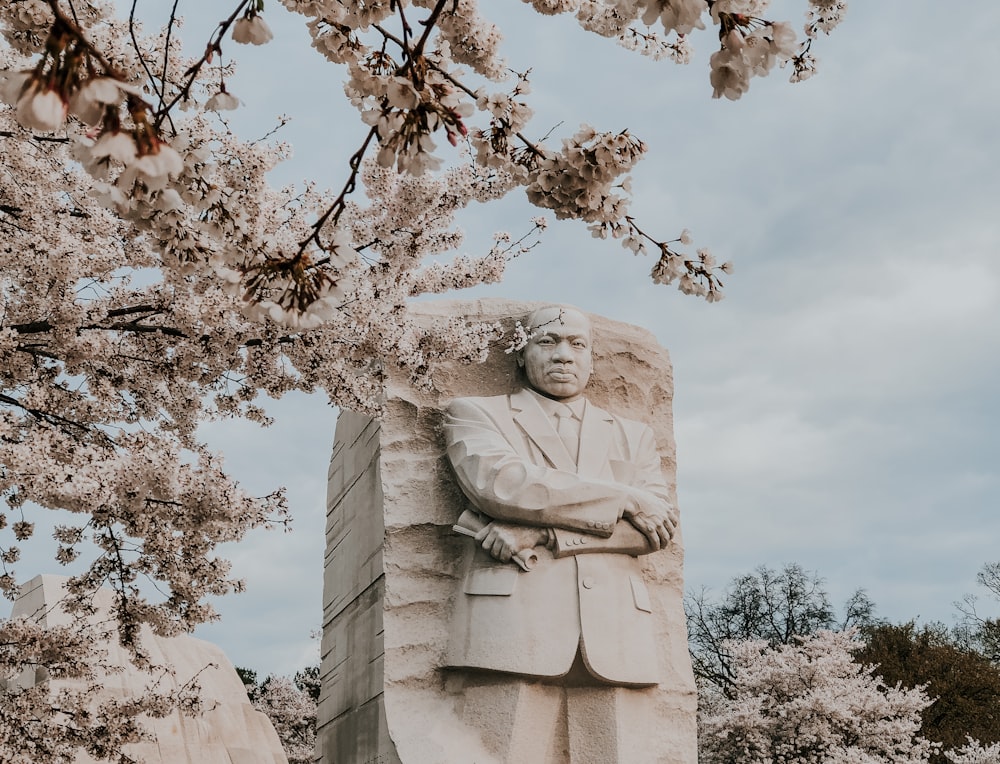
(588, 582)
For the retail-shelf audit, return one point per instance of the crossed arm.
(534, 505)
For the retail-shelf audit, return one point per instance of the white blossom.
(974, 752)
(252, 30)
(222, 101)
(41, 109)
(681, 16)
(809, 702)
(95, 95)
(12, 85)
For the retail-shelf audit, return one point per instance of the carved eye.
(579, 344)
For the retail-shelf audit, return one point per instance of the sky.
(838, 409)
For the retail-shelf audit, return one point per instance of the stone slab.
(229, 731)
(393, 565)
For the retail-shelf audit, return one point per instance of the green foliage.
(249, 679)
(963, 682)
(307, 681)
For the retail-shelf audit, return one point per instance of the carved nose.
(562, 352)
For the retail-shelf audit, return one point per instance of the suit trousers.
(574, 719)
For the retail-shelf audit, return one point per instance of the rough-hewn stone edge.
(351, 722)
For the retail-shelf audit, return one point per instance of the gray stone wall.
(352, 725)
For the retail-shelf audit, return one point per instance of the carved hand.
(653, 517)
(505, 541)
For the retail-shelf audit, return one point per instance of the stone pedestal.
(230, 731)
(393, 564)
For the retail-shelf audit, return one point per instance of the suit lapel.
(536, 424)
(595, 440)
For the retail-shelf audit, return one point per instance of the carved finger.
(483, 532)
(652, 535)
(665, 535)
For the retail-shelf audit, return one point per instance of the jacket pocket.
(640, 596)
(494, 580)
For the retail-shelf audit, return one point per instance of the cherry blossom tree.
(777, 607)
(291, 705)
(975, 753)
(292, 711)
(810, 703)
(151, 278)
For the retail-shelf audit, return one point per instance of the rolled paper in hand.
(470, 523)
(525, 559)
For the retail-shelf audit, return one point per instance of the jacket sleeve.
(625, 540)
(649, 475)
(507, 486)
(645, 474)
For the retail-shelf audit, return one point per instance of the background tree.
(291, 705)
(293, 714)
(809, 702)
(976, 632)
(964, 685)
(308, 681)
(249, 679)
(975, 753)
(767, 605)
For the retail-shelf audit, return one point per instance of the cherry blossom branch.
(56, 420)
(138, 52)
(457, 83)
(45, 138)
(336, 209)
(696, 277)
(74, 29)
(528, 144)
(214, 46)
(45, 326)
(429, 25)
(166, 48)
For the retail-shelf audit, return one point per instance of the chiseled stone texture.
(393, 564)
(231, 731)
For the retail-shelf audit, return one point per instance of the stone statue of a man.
(553, 611)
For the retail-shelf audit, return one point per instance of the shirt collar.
(550, 407)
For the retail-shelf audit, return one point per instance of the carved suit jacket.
(586, 591)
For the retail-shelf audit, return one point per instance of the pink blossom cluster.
(72, 79)
(809, 702)
(578, 182)
(749, 49)
(974, 752)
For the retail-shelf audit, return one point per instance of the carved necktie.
(568, 430)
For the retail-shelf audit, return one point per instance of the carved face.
(557, 360)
